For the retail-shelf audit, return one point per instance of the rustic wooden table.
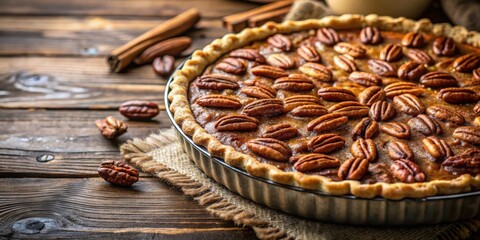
(54, 83)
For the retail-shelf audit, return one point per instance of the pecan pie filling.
(359, 104)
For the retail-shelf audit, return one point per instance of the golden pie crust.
(201, 59)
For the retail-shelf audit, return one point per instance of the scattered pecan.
(371, 95)
(364, 148)
(458, 95)
(445, 114)
(282, 131)
(365, 79)
(382, 111)
(349, 109)
(444, 46)
(236, 122)
(437, 148)
(391, 53)
(328, 36)
(419, 56)
(399, 88)
(326, 122)
(231, 65)
(413, 39)
(476, 73)
(408, 104)
(315, 161)
(173, 46)
(382, 68)
(118, 173)
(110, 127)
(326, 143)
(300, 100)
(407, 171)
(270, 148)
(350, 49)
(476, 108)
(370, 35)
(308, 53)
(269, 71)
(366, 128)
(399, 150)
(345, 62)
(258, 92)
(438, 80)
(470, 134)
(353, 169)
(425, 125)
(281, 60)
(396, 129)
(248, 54)
(336, 94)
(411, 71)
(164, 65)
(467, 62)
(139, 110)
(309, 111)
(264, 107)
(280, 41)
(467, 162)
(380, 173)
(215, 81)
(316, 71)
(294, 83)
(218, 101)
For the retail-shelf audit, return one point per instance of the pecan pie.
(362, 105)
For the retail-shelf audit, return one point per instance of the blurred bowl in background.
(394, 8)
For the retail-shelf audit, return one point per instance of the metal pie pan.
(318, 205)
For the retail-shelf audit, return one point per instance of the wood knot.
(33, 225)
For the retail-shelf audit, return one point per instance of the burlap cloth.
(162, 156)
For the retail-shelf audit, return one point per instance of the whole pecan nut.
(326, 143)
(231, 65)
(476, 108)
(300, 100)
(470, 134)
(380, 173)
(269, 71)
(350, 109)
(328, 36)
(444, 46)
(315, 161)
(280, 41)
(399, 150)
(437, 148)
(316, 71)
(365, 149)
(294, 83)
(467, 162)
(467, 62)
(396, 129)
(365, 79)
(282, 131)
(218, 101)
(264, 107)
(382, 68)
(215, 81)
(173, 46)
(407, 171)
(366, 128)
(458, 95)
(164, 65)
(248, 54)
(139, 110)
(391, 53)
(345, 62)
(370, 35)
(419, 56)
(399, 88)
(438, 80)
(281, 60)
(350, 49)
(270, 148)
(336, 94)
(110, 127)
(312, 110)
(411, 71)
(371, 95)
(445, 114)
(382, 111)
(258, 92)
(353, 169)
(476, 74)
(118, 173)
(236, 122)
(408, 104)
(413, 39)
(425, 125)
(308, 53)
(327, 122)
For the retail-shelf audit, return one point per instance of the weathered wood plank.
(151, 8)
(32, 208)
(85, 36)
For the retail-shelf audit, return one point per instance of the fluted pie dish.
(366, 106)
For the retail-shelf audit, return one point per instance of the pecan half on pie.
(369, 106)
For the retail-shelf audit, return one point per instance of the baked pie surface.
(369, 106)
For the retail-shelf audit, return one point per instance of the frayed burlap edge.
(136, 152)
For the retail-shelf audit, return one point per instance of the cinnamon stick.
(275, 16)
(239, 21)
(121, 57)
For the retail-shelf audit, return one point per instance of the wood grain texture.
(150, 8)
(33, 208)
